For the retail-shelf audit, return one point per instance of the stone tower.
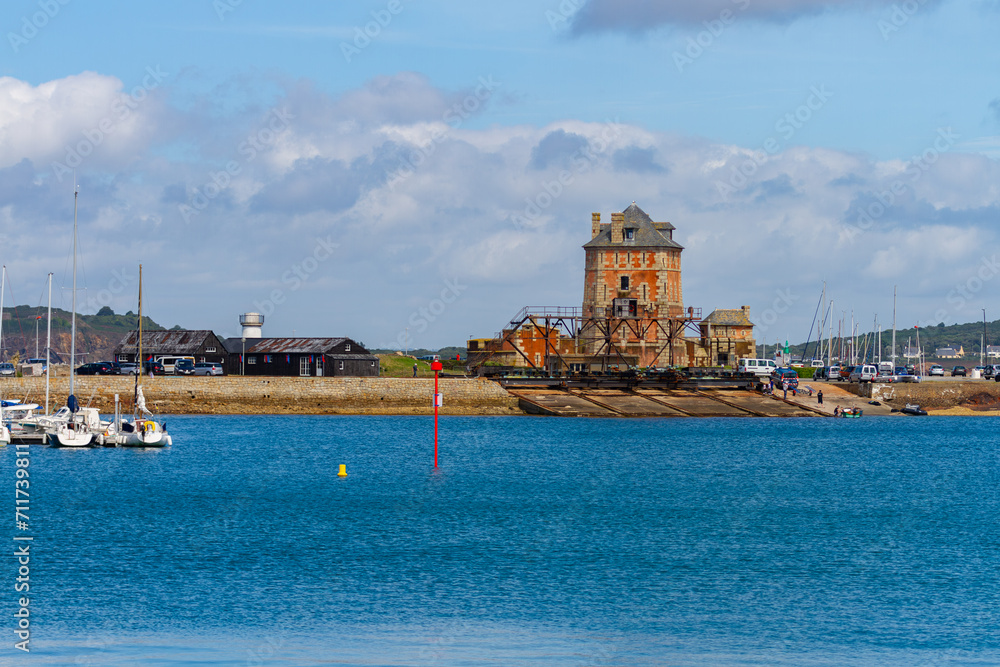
(633, 271)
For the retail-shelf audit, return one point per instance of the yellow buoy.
(343, 471)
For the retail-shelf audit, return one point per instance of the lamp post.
(36, 334)
(983, 351)
(243, 355)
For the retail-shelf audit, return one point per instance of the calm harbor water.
(537, 542)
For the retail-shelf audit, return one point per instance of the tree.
(105, 312)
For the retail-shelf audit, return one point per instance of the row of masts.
(845, 347)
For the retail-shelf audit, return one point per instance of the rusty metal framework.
(601, 333)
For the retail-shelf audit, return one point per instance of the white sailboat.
(4, 431)
(143, 430)
(78, 430)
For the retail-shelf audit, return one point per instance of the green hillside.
(96, 335)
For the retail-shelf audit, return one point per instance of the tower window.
(630, 234)
(624, 282)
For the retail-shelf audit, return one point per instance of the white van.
(169, 362)
(759, 367)
(863, 373)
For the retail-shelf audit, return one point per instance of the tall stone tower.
(633, 272)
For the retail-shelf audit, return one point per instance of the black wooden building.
(203, 345)
(299, 357)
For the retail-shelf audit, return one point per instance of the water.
(537, 542)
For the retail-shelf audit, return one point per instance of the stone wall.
(256, 395)
(927, 394)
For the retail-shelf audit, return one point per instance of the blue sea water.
(538, 541)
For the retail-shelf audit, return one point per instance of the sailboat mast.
(48, 346)
(72, 343)
(3, 280)
(894, 329)
(135, 397)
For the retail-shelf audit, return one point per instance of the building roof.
(734, 317)
(947, 351)
(164, 342)
(648, 234)
(293, 346)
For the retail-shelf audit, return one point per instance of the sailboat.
(143, 430)
(81, 426)
(4, 431)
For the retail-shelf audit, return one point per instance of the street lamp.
(983, 351)
(243, 355)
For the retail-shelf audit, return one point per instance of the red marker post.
(436, 366)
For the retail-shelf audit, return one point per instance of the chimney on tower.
(595, 225)
(617, 227)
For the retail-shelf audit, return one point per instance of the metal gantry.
(603, 338)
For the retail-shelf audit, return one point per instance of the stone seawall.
(929, 394)
(273, 395)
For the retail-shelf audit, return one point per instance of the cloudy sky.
(410, 173)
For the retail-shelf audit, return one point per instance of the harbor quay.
(246, 395)
(232, 395)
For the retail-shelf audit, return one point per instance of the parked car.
(936, 369)
(208, 368)
(991, 371)
(958, 370)
(7, 369)
(116, 368)
(96, 368)
(783, 375)
(911, 369)
(833, 373)
(845, 372)
(184, 367)
(820, 373)
(863, 373)
(129, 368)
(154, 367)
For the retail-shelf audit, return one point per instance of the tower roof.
(648, 234)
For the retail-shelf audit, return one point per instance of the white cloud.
(474, 204)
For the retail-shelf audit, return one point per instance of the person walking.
(784, 389)
(819, 397)
(414, 369)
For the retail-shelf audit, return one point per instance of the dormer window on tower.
(629, 234)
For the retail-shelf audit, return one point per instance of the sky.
(410, 174)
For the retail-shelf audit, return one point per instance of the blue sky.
(387, 187)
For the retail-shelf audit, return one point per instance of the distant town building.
(300, 357)
(911, 352)
(949, 352)
(726, 335)
(993, 351)
(203, 345)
